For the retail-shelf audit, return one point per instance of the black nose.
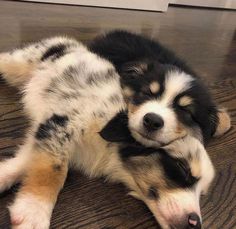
(152, 121)
(194, 221)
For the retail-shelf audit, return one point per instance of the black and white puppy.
(167, 100)
(70, 95)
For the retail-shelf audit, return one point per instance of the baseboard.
(149, 5)
(225, 4)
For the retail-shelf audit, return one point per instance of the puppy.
(167, 99)
(71, 97)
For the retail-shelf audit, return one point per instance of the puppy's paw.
(28, 212)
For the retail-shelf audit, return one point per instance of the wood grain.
(206, 38)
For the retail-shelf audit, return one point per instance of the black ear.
(116, 130)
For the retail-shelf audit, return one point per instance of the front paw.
(28, 212)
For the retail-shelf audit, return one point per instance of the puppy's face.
(165, 104)
(170, 180)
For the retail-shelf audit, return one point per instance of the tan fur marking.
(154, 87)
(139, 68)
(224, 123)
(143, 66)
(42, 179)
(146, 174)
(195, 168)
(132, 108)
(185, 101)
(99, 161)
(180, 130)
(128, 92)
(16, 73)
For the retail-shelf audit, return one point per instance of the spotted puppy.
(71, 97)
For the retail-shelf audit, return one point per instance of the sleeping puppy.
(167, 99)
(71, 97)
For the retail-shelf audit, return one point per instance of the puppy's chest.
(87, 119)
(92, 153)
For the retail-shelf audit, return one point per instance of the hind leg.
(16, 67)
(45, 176)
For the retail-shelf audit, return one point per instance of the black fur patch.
(135, 149)
(139, 83)
(121, 47)
(201, 113)
(54, 52)
(117, 129)
(44, 130)
(59, 120)
(74, 71)
(177, 170)
(99, 77)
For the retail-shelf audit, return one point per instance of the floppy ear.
(223, 123)
(116, 130)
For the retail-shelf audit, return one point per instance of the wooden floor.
(206, 38)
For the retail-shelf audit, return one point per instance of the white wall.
(230, 4)
(153, 5)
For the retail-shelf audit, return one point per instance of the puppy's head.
(165, 104)
(170, 180)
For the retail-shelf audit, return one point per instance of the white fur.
(28, 212)
(175, 83)
(191, 146)
(165, 134)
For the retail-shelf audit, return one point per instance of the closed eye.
(152, 193)
(178, 171)
(189, 108)
(147, 93)
(184, 169)
(187, 113)
(186, 172)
